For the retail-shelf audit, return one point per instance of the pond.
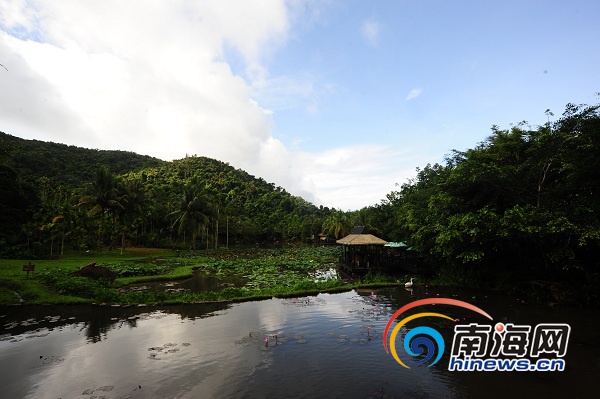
(325, 346)
(199, 282)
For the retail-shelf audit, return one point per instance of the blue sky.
(336, 101)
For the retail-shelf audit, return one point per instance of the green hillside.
(55, 196)
(61, 163)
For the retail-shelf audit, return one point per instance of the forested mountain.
(55, 195)
(70, 165)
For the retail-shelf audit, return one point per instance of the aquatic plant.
(130, 269)
(268, 273)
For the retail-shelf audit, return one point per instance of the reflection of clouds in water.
(337, 357)
(272, 316)
(210, 366)
(319, 340)
(112, 360)
(95, 363)
(240, 358)
(324, 275)
(362, 307)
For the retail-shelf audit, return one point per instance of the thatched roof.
(361, 239)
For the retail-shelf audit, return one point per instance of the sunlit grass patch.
(149, 252)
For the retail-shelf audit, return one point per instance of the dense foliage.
(56, 196)
(62, 164)
(523, 204)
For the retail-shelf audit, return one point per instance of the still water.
(325, 346)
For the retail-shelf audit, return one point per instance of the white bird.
(409, 284)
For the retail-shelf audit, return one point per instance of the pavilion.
(363, 252)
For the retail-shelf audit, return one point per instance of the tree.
(193, 212)
(16, 202)
(337, 224)
(103, 200)
(525, 200)
(132, 200)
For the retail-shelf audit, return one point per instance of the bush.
(64, 283)
(140, 269)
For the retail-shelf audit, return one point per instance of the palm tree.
(64, 220)
(104, 199)
(337, 224)
(103, 195)
(131, 199)
(193, 213)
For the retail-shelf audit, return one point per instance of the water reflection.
(320, 346)
(325, 274)
(199, 282)
(94, 321)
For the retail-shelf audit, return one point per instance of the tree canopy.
(525, 201)
(91, 198)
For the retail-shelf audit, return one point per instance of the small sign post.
(28, 268)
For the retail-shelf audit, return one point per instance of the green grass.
(51, 282)
(268, 272)
(7, 296)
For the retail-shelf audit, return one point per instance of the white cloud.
(352, 177)
(284, 92)
(414, 93)
(150, 79)
(302, 92)
(15, 15)
(371, 31)
(155, 80)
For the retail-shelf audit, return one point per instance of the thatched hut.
(362, 251)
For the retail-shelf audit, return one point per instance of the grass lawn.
(16, 286)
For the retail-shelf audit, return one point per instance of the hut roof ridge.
(361, 239)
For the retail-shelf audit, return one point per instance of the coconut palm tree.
(193, 213)
(338, 224)
(132, 200)
(103, 198)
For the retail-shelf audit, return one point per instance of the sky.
(337, 101)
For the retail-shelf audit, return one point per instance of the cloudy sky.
(334, 100)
